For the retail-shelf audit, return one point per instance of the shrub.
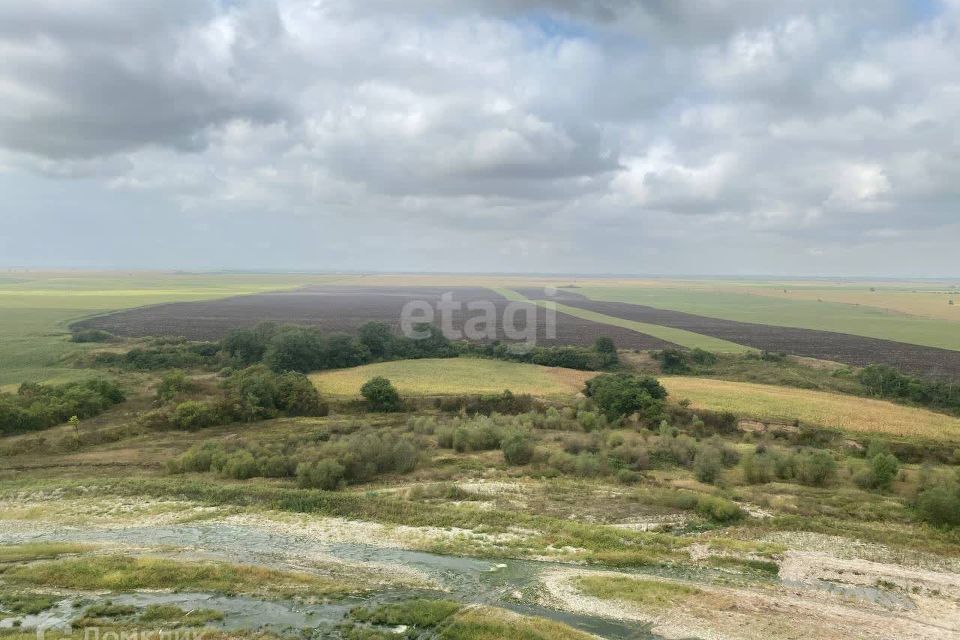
(518, 449)
(91, 335)
(622, 394)
(708, 464)
(276, 466)
(588, 465)
(295, 349)
(672, 361)
(702, 357)
(174, 383)
(719, 509)
(297, 396)
(883, 470)
(38, 406)
(816, 468)
(758, 468)
(240, 466)
(381, 395)
(248, 346)
(405, 456)
(323, 474)
(940, 506)
(192, 415)
(197, 458)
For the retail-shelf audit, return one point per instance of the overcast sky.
(791, 137)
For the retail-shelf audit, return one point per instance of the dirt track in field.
(824, 345)
(345, 309)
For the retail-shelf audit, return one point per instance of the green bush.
(940, 505)
(758, 468)
(38, 406)
(192, 415)
(381, 395)
(622, 394)
(708, 464)
(882, 472)
(240, 466)
(816, 468)
(174, 383)
(719, 509)
(518, 449)
(91, 335)
(322, 474)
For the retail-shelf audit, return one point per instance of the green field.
(681, 337)
(454, 376)
(36, 309)
(735, 303)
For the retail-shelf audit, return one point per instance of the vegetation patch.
(123, 573)
(38, 551)
(646, 593)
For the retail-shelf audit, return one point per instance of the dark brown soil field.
(344, 309)
(825, 345)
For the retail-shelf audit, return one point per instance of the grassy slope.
(452, 376)
(677, 336)
(814, 407)
(786, 310)
(35, 310)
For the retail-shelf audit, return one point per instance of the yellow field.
(453, 376)
(850, 413)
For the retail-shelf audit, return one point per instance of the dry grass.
(455, 376)
(786, 404)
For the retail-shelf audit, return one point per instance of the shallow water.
(471, 580)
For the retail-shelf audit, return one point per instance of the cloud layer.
(643, 136)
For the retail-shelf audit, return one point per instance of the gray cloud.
(645, 135)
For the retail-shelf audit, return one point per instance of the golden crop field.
(850, 413)
(453, 376)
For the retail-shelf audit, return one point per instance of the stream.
(469, 580)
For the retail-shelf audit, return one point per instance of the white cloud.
(595, 130)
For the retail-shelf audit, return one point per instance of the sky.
(710, 137)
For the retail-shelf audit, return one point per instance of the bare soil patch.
(822, 345)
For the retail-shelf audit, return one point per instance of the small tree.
(381, 395)
(883, 469)
(621, 394)
(74, 422)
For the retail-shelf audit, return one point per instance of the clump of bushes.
(343, 459)
(886, 382)
(37, 406)
(91, 335)
(165, 353)
(254, 393)
(507, 403)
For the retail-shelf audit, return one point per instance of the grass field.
(453, 376)
(36, 309)
(839, 310)
(850, 413)
(687, 339)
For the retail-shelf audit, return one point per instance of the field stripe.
(821, 408)
(680, 337)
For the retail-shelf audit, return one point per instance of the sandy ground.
(723, 613)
